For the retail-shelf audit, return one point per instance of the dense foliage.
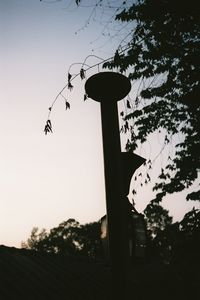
(68, 238)
(163, 54)
(168, 242)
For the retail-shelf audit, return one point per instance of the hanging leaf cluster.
(67, 105)
(82, 74)
(70, 86)
(48, 127)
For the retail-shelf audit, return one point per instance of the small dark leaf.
(49, 123)
(133, 192)
(117, 58)
(122, 114)
(85, 97)
(67, 105)
(166, 139)
(48, 127)
(136, 101)
(193, 196)
(126, 126)
(70, 86)
(82, 73)
(128, 104)
(50, 108)
(69, 77)
(148, 177)
(146, 94)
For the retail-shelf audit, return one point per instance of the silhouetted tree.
(90, 240)
(68, 238)
(157, 218)
(164, 55)
(158, 221)
(36, 238)
(173, 243)
(189, 242)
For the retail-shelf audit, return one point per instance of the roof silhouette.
(31, 275)
(27, 274)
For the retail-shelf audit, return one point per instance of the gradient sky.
(45, 180)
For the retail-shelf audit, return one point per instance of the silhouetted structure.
(32, 275)
(108, 88)
(137, 238)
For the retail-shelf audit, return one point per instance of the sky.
(46, 179)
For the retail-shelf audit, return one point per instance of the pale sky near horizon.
(45, 180)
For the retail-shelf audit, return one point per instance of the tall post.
(108, 88)
(115, 200)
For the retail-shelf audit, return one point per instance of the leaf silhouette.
(128, 104)
(136, 101)
(85, 97)
(49, 123)
(69, 77)
(82, 73)
(148, 177)
(126, 126)
(48, 127)
(133, 192)
(67, 105)
(70, 86)
(117, 59)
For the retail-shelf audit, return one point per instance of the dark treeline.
(168, 242)
(69, 237)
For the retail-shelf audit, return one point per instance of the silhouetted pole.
(107, 88)
(117, 216)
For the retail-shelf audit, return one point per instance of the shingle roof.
(26, 274)
(30, 275)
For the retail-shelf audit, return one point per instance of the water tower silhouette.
(108, 88)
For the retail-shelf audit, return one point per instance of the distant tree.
(35, 239)
(68, 238)
(158, 221)
(173, 243)
(90, 240)
(189, 243)
(157, 218)
(190, 224)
